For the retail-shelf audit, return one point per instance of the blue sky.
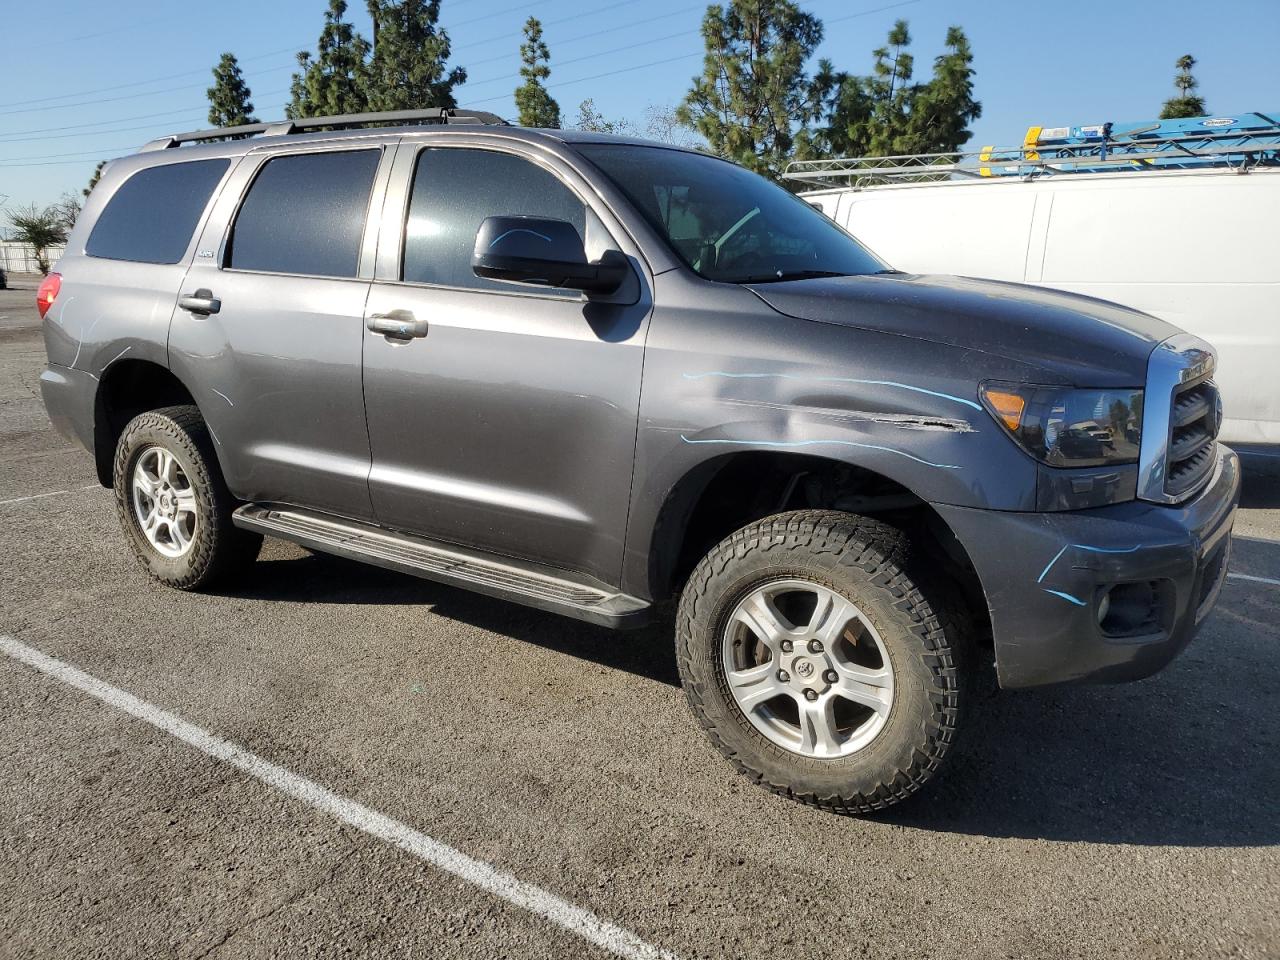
(92, 80)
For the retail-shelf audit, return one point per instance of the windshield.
(728, 223)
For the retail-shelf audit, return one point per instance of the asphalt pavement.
(557, 763)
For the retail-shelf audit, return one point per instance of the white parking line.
(1245, 576)
(51, 493)
(487, 877)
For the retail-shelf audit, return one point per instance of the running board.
(494, 576)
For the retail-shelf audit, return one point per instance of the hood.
(1069, 338)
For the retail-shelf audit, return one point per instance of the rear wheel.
(173, 504)
(816, 663)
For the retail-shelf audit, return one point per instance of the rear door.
(288, 257)
(511, 425)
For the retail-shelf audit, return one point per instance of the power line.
(114, 129)
(144, 116)
(131, 96)
(141, 83)
(27, 105)
(590, 56)
(565, 41)
(547, 23)
(27, 108)
(599, 76)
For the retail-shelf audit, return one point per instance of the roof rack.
(1241, 143)
(346, 121)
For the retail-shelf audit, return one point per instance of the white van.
(1198, 248)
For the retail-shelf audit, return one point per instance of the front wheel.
(816, 664)
(173, 504)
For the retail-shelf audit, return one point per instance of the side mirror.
(542, 252)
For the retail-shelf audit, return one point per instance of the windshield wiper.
(781, 275)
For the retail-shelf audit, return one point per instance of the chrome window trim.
(1174, 362)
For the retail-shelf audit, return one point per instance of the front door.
(277, 367)
(511, 425)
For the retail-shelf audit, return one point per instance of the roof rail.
(346, 121)
(1241, 143)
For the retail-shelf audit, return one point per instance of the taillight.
(48, 293)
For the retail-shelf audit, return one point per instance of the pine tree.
(537, 107)
(943, 108)
(891, 91)
(753, 91)
(229, 103)
(1187, 103)
(336, 81)
(408, 69)
(95, 177)
(886, 114)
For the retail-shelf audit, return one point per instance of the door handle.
(397, 325)
(201, 302)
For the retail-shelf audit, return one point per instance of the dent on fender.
(874, 383)
(818, 442)
(904, 421)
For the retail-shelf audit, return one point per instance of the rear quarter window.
(152, 216)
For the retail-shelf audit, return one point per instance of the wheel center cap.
(804, 669)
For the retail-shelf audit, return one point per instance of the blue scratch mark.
(519, 230)
(223, 396)
(1083, 546)
(792, 376)
(1056, 557)
(810, 443)
(1066, 596)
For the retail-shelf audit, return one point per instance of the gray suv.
(594, 375)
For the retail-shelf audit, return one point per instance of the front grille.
(1180, 420)
(1193, 433)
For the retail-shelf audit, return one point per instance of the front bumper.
(1048, 577)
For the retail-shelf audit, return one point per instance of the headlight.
(1066, 427)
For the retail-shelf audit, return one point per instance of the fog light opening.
(1130, 609)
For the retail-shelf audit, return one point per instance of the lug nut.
(815, 646)
(811, 694)
(783, 676)
(786, 646)
(831, 676)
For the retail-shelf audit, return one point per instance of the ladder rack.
(1240, 143)
(346, 121)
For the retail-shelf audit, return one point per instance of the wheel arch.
(127, 388)
(726, 492)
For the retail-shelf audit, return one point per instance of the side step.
(494, 576)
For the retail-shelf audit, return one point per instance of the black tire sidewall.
(909, 747)
(176, 435)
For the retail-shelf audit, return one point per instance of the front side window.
(727, 223)
(456, 189)
(305, 214)
(153, 215)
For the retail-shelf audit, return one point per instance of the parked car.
(593, 374)
(1189, 246)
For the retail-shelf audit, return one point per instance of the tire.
(194, 544)
(896, 655)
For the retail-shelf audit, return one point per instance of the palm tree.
(38, 229)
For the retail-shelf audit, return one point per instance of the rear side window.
(455, 189)
(305, 214)
(152, 216)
